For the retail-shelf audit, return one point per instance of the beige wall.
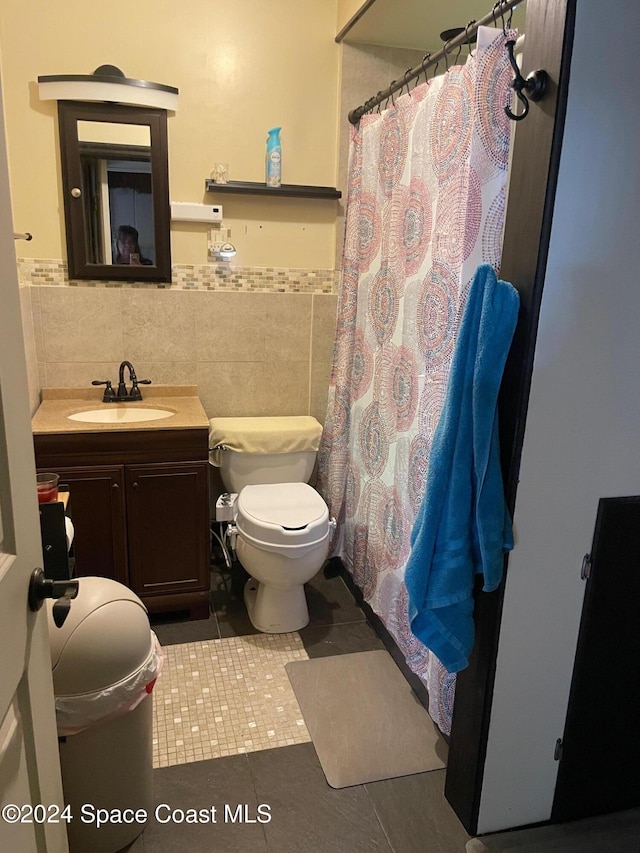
(250, 353)
(241, 68)
(346, 10)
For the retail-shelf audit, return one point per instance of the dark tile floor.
(286, 805)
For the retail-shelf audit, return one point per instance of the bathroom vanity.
(140, 490)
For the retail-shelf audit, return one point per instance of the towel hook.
(535, 84)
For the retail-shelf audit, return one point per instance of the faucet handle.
(109, 393)
(135, 394)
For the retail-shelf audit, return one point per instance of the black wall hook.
(535, 85)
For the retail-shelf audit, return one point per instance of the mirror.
(116, 191)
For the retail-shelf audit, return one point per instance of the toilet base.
(276, 611)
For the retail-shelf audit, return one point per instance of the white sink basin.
(120, 414)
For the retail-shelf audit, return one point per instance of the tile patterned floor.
(404, 815)
(225, 697)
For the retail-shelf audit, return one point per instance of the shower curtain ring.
(510, 18)
(498, 6)
(425, 58)
(446, 61)
(406, 82)
(469, 41)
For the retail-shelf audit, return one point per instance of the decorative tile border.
(214, 276)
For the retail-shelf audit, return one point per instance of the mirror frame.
(69, 113)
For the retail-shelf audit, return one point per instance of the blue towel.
(463, 526)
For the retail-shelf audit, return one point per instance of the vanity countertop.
(52, 416)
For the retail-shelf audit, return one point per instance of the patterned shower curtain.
(425, 207)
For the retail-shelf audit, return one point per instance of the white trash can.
(105, 660)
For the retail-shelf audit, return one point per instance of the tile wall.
(260, 347)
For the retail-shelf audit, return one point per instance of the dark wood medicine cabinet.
(115, 172)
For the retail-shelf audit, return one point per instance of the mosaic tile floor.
(224, 697)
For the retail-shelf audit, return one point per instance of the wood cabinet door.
(168, 527)
(98, 516)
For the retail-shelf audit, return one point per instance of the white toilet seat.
(287, 518)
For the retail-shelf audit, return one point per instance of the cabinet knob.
(115, 486)
(135, 485)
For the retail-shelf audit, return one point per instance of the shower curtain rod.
(464, 37)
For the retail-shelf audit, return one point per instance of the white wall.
(582, 438)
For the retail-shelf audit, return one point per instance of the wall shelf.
(255, 188)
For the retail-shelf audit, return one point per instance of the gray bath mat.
(365, 722)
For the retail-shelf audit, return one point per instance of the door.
(599, 769)
(534, 171)
(29, 765)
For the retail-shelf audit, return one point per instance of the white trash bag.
(80, 711)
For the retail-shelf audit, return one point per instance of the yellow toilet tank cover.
(266, 435)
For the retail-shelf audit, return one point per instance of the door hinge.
(585, 571)
(557, 752)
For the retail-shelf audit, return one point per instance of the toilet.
(282, 523)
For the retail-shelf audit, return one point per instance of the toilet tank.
(252, 451)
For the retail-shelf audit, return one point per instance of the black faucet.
(122, 395)
(134, 394)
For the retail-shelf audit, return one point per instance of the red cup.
(47, 486)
